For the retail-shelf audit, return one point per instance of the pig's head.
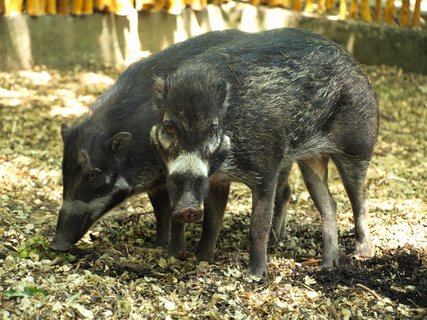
(190, 136)
(92, 184)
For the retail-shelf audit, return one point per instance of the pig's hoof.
(364, 250)
(258, 275)
(329, 263)
(60, 247)
(204, 256)
(160, 244)
(176, 248)
(188, 215)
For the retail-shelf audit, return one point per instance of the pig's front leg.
(162, 211)
(262, 212)
(214, 207)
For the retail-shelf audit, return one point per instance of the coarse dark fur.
(107, 153)
(289, 96)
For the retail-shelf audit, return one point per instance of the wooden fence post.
(377, 10)
(298, 5)
(51, 7)
(416, 17)
(322, 6)
(404, 13)
(309, 6)
(389, 12)
(365, 11)
(354, 8)
(343, 9)
(63, 7)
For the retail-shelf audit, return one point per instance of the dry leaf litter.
(115, 273)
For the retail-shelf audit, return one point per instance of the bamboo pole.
(416, 17)
(196, 5)
(138, 4)
(63, 7)
(298, 5)
(160, 4)
(87, 7)
(175, 6)
(99, 5)
(365, 11)
(322, 6)
(32, 6)
(76, 7)
(123, 7)
(36, 7)
(330, 5)
(405, 13)
(377, 10)
(343, 9)
(354, 8)
(274, 3)
(11, 7)
(105, 5)
(389, 12)
(5, 8)
(42, 6)
(309, 6)
(17, 6)
(51, 7)
(286, 3)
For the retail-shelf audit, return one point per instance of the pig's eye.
(93, 174)
(169, 127)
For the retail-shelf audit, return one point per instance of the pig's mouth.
(61, 243)
(60, 246)
(188, 215)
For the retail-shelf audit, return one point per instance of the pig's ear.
(159, 93)
(65, 131)
(119, 144)
(222, 90)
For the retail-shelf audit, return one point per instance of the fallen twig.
(392, 178)
(376, 295)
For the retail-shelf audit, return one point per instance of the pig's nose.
(59, 245)
(188, 215)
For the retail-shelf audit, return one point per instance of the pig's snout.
(188, 215)
(60, 245)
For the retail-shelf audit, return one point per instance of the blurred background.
(117, 32)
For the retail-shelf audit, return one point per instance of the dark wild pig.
(107, 152)
(247, 110)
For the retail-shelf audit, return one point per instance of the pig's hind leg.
(353, 172)
(214, 207)
(315, 175)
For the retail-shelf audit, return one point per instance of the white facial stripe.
(188, 163)
(108, 179)
(157, 139)
(227, 142)
(97, 205)
(121, 185)
(213, 144)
